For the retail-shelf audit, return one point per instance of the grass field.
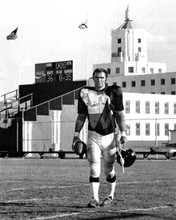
(43, 189)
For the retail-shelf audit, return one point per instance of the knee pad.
(111, 179)
(94, 179)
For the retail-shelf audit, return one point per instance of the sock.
(95, 190)
(112, 189)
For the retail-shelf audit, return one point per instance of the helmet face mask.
(128, 155)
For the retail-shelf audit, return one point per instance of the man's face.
(100, 80)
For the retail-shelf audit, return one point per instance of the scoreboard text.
(54, 72)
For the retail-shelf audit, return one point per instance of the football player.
(103, 106)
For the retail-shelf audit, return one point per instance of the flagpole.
(84, 27)
(19, 61)
(86, 58)
(13, 36)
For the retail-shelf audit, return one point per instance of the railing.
(53, 131)
(55, 98)
(13, 104)
(5, 96)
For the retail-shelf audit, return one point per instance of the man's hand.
(123, 140)
(75, 139)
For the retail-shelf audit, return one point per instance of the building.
(149, 118)
(149, 114)
(130, 68)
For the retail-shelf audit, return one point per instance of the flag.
(83, 25)
(12, 35)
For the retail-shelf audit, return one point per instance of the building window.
(138, 107)
(163, 93)
(159, 70)
(138, 129)
(142, 82)
(152, 82)
(174, 126)
(114, 54)
(119, 40)
(127, 106)
(143, 69)
(173, 93)
(147, 129)
(174, 108)
(166, 129)
(157, 129)
(156, 107)
(117, 70)
(139, 40)
(128, 130)
(119, 50)
(147, 107)
(131, 69)
(151, 70)
(133, 84)
(109, 71)
(166, 108)
(162, 81)
(123, 84)
(172, 81)
(139, 49)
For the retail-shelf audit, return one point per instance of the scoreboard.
(54, 71)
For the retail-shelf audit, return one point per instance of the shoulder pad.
(113, 89)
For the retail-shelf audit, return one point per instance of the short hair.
(100, 70)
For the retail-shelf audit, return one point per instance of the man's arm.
(120, 119)
(79, 123)
(78, 126)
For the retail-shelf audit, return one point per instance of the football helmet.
(128, 155)
(79, 147)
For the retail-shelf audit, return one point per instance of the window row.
(148, 107)
(131, 68)
(152, 82)
(148, 129)
(119, 40)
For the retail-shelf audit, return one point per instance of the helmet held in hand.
(79, 147)
(128, 155)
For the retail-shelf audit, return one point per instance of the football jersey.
(99, 107)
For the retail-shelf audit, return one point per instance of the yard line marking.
(61, 215)
(144, 209)
(120, 211)
(34, 199)
(86, 184)
(45, 187)
(22, 200)
(55, 216)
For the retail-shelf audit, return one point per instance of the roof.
(128, 24)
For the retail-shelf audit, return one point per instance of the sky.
(48, 32)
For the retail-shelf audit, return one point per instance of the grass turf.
(59, 189)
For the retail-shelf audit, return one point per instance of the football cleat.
(128, 155)
(79, 147)
(93, 204)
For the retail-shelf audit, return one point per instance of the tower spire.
(127, 14)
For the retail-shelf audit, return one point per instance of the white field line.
(56, 216)
(33, 199)
(120, 211)
(86, 184)
(145, 209)
(45, 187)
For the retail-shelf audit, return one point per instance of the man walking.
(103, 106)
